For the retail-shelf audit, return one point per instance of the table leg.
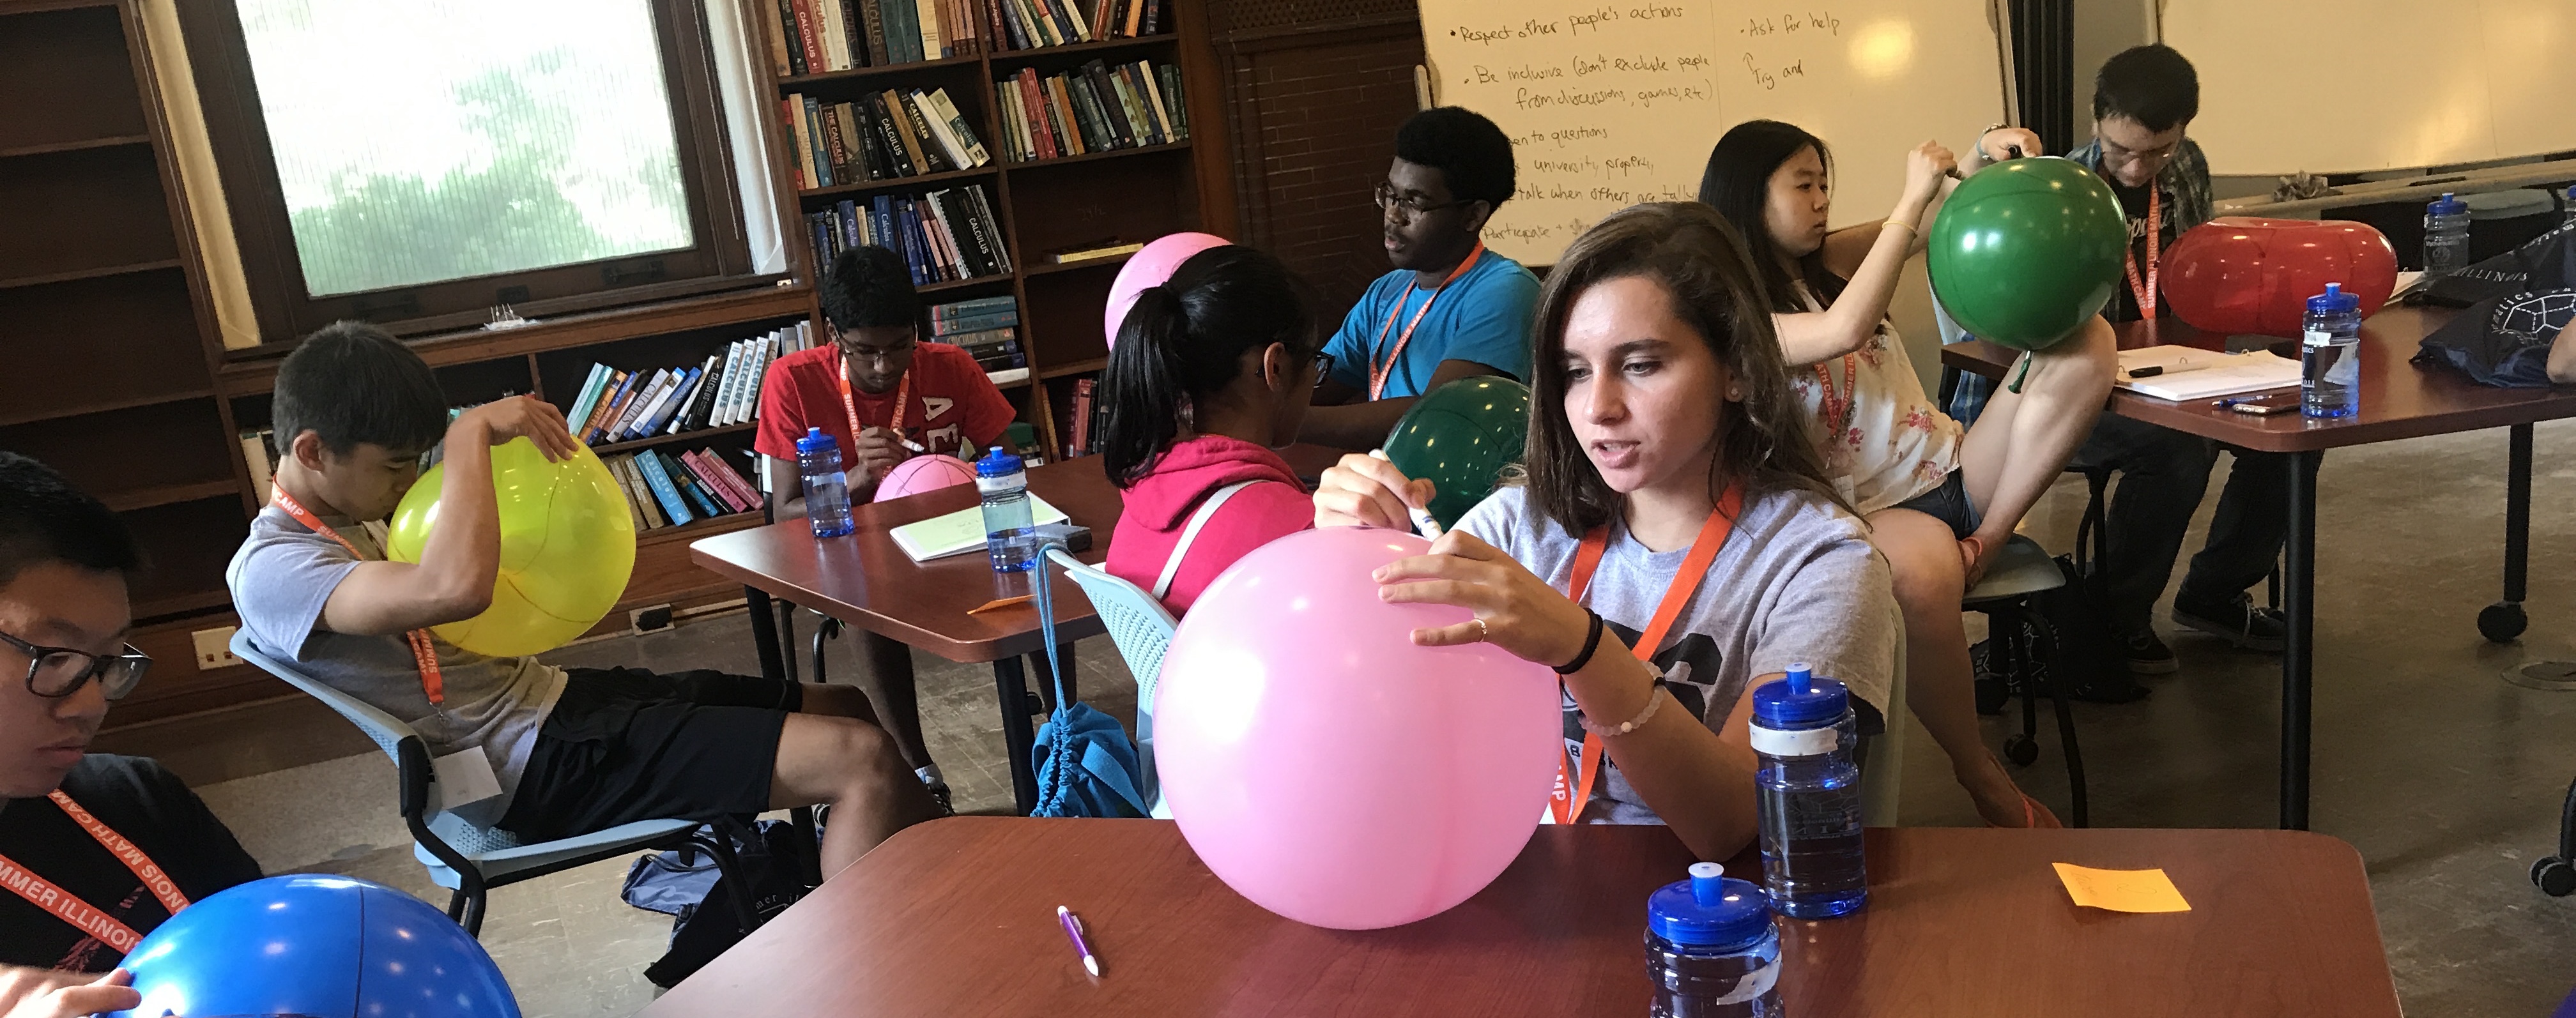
(1011, 690)
(2298, 649)
(2504, 620)
(764, 634)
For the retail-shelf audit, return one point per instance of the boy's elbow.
(456, 600)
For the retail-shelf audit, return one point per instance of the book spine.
(640, 494)
(917, 214)
(775, 22)
(971, 220)
(644, 396)
(892, 133)
(615, 390)
(721, 404)
(1140, 110)
(1123, 133)
(854, 33)
(1135, 10)
(695, 417)
(935, 128)
(1081, 417)
(971, 326)
(1006, 100)
(1082, 114)
(838, 153)
(992, 226)
(1071, 14)
(1153, 16)
(719, 479)
(1038, 107)
(970, 149)
(916, 134)
(652, 409)
(597, 432)
(933, 45)
(1006, 33)
(699, 498)
(903, 31)
(789, 41)
(747, 394)
(1175, 103)
(588, 395)
(872, 15)
(791, 116)
(680, 396)
(827, 24)
(689, 401)
(958, 232)
(663, 490)
(813, 123)
(808, 37)
(1149, 94)
(686, 465)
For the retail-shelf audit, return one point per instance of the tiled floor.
(2445, 778)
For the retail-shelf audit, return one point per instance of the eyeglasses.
(1323, 368)
(1408, 207)
(883, 355)
(57, 672)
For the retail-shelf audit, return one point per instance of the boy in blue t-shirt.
(1452, 308)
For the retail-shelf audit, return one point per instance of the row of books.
(944, 235)
(822, 36)
(1036, 24)
(622, 406)
(988, 329)
(1096, 108)
(663, 490)
(879, 136)
(1089, 417)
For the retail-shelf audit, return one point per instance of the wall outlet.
(214, 648)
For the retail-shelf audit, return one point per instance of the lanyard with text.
(1377, 374)
(894, 422)
(82, 915)
(423, 655)
(1566, 803)
(2145, 290)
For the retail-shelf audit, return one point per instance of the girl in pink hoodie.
(1212, 370)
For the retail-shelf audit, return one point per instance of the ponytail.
(1185, 340)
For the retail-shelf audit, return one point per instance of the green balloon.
(1461, 436)
(2028, 249)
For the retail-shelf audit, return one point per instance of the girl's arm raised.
(1873, 257)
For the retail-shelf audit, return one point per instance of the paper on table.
(959, 532)
(2192, 373)
(2121, 890)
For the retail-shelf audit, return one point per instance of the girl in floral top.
(1941, 499)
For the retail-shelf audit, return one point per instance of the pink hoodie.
(1158, 508)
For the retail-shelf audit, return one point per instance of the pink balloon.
(1328, 769)
(924, 473)
(1150, 267)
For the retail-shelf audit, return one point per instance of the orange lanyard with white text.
(423, 654)
(82, 915)
(894, 422)
(1566, 803)
(1377, 374)
(1838, 415)
(2146, 291)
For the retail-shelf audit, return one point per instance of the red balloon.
(2242, 274)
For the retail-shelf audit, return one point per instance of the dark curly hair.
(867, 286)
(1473, 156)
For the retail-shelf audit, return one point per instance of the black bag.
(769, 863)
(2070, 628)
(2503, 341)
(2544, 262)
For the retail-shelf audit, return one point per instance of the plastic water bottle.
(2330, 355)
(1711, 950)
(827, 489)
(2446, 237)
(2568, 204)
(1004, 481)
(1809, 793)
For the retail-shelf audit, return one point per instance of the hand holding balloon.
(1518, 611)
(1926, 166)
(2009, 143)
(50, 993)
(526, 417)
(1366, 491)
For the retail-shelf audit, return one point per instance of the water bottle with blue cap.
(1711, 949)
(2446, 236)
(1808, 790)
(1003, 479)
(2330, 355)
(827, 488)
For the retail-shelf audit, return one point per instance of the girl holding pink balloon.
(1675, 539)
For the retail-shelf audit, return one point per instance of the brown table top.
(2398, 398)
(867, 581)
(957, 916)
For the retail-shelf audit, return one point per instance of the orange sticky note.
(2121, 890)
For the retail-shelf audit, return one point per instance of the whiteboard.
(2348, 86)
(1613, 103)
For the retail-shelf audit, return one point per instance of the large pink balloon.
(1150, 267)
(929, 472)
(1324, 766)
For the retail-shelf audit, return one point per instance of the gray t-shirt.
(280, 580)
(1797, 580)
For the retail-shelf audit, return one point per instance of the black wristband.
(1590, 643)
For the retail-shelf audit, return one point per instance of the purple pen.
(1073, 931)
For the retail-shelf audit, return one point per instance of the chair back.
(388, 733)
(1142, 629)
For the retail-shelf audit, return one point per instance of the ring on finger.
(1481, 631)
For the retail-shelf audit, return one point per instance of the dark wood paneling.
(81, 210)
(114, 341)
(64, 78)
(185, 549)
(175, 452)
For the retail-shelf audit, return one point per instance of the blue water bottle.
(827, 489)
(1004, 481)
(1711, 949)
(2330, 355)
(1808, 790)
(2567, 206)
(2446, 237)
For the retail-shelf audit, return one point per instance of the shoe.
(939, 794)
(2239, 622)
(2148, 655)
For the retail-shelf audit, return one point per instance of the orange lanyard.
(2146, 292)
(423, 655)
(82, 915)
(1379, 374)
(894, 421)
(1838, 415)
(1567, 801)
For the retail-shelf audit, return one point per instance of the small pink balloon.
(1328, 769)
(1150, 267)
(924, 473)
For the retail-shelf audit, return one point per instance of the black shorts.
(1949, 504)
(625, 744)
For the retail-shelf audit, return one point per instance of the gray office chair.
(1142, 629)
(2017, 642)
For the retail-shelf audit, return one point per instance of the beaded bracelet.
(1654, 699)
(1590, 644)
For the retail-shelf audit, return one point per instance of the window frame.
(285, 311)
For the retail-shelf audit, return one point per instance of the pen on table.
(2150, 371)
(1073, 930)
(1422, 521)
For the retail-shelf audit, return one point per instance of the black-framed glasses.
(1323, 367)
(888, 355)
(1410, 206)
(57, 672)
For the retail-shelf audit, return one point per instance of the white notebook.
(959, 532)
(2192, 373)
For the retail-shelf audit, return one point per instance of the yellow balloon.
(567, 549)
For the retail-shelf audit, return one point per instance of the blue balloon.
(323, 946)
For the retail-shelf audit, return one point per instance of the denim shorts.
(1948, 503)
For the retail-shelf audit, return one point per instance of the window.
(418, 163)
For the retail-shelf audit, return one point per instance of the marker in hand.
(1073, 931)
(1423, 523)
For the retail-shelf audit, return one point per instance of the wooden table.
(866, 581)
(2398, 400)
(957, 917)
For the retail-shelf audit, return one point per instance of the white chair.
(1142, 629)
(470, 858)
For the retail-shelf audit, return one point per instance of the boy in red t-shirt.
(884, 395)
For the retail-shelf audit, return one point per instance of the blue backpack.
(1086, 765)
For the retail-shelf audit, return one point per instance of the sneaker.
(2148, 655)
(2239, 622)
(939, 794)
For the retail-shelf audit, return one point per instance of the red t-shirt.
(955, 408)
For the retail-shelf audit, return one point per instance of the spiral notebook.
(2185, 372)
(959, 532)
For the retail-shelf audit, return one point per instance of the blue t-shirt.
(1483, 317)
